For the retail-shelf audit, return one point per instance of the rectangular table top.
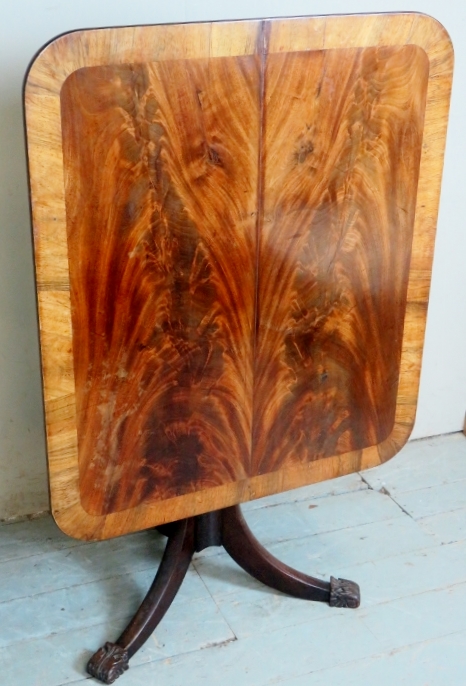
(234, 227)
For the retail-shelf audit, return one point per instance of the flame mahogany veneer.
(234, 228)
(240, 233)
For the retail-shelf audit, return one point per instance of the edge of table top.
(92, 47)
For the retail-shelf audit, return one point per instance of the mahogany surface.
(341, 147)
(233, 278)
(163, 274)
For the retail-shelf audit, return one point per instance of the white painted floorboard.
(398, 530)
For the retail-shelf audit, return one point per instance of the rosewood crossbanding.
(240, 234)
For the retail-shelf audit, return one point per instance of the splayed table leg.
(225, 527)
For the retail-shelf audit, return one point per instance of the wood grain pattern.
(255, 368)
(161, 193)
(335, 248)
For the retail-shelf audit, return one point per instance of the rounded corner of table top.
(395, 442)
(53, 62)
(76, 522)
(435, 33)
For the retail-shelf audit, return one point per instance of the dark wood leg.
(110, 661)
(228, 528)
(245, 549)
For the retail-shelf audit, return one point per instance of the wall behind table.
(26, 25)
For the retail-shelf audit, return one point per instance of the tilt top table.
(233, 227)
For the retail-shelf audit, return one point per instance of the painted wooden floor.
(398, 530)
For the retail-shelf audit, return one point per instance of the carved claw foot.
(344, 593)
(108, 663)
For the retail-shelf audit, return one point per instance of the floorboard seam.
(235, 637)
(310, 498)
(78, 585)
(374, 656)
(384, 491)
